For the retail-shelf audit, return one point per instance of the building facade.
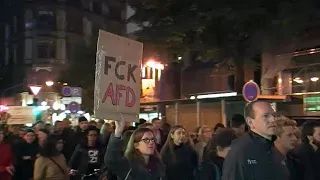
(40, 36)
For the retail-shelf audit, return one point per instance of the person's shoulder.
(41, 159)
(241, 146)
(303, 148)
(61, 156)
(242, 142)
(6, 145)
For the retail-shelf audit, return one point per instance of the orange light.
(151, 63)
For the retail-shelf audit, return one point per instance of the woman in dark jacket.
(87, 157)
(26, 156)
(180, 159)
(140, 160)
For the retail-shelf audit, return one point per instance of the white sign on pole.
(117, 80)
(35, 89)
(20, 115)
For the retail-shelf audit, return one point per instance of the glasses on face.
(148, 140)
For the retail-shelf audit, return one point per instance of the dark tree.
(230, 32)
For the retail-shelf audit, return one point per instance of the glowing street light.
(314, 79)
(49, 83)
(298, 80)
(151, 63)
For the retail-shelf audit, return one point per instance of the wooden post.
(198, 113)
(223, 113)
(176, 108)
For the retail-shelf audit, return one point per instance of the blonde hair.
(201, 130)
(282, 121)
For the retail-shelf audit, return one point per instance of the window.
(15, 23)
(85, 4)
(116, 14)
(29, 25)
(104, 9)
(311, 103)
(74, 3)
(95, 29)
(46, 50)
(74, 22)
(46, 20)
(97, 7)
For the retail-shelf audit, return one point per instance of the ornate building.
(40, 36)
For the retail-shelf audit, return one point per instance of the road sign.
(74, 107)
(35, 89)
(66, 91)
(251, 91)
(76, 91)
(72, 91)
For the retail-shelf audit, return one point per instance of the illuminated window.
(311, 103)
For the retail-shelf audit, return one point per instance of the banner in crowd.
(117, 79)
(20, 115)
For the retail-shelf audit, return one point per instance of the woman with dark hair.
(51, 164)
(88, 156)
(180, 159)
(26, 156)
(6, 159)
(215, 153)
(140, 160)
(42, 136)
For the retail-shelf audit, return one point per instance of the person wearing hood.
(79, 133)
(87, 156)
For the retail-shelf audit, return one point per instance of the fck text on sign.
(117, 81)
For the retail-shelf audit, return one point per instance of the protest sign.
(117, 79)
(20, 115)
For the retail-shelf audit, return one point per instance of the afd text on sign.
(117, 78)
(117, 91)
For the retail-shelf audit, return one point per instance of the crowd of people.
(261, 145)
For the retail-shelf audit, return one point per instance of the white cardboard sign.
(20, 115)
(117, 79)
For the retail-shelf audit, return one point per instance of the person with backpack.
(214, 155)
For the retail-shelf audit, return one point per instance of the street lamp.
(314, 79)
(151, 63)
(49, 83)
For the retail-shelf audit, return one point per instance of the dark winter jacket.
(85, 159)
(130, 170)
